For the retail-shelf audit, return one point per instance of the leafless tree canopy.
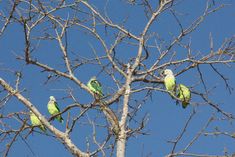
(61, 44)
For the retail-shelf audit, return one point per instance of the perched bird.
(184, 94)
(36, 122)
(169, 81)
(95, 86)
(53, 109)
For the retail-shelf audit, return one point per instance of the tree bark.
(121, 141)
(64, 138)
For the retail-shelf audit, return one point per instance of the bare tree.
(129, 60)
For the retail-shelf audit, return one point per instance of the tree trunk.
(121, 145)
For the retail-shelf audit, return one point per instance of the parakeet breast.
(52, 108)
(169, 82)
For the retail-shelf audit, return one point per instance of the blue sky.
(166, 120)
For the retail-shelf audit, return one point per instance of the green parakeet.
(95, 86)
(36, 122)
(169, 80)
(184, 94)
(53, 108)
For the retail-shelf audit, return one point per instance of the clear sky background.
(166, 120)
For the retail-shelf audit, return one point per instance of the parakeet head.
(31, 112)
(52, 98)
(93, 78)
(167, 72)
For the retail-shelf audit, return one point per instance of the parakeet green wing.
(53, 109)
(97, 87)
(184, 94)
